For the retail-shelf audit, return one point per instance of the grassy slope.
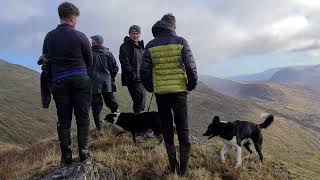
(285, 141)
(146, 160)
(21, 116)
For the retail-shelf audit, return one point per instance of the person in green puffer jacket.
(169, 71)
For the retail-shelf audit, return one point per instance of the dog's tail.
(267, 122)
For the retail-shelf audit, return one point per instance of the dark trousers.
(175, 103)
(138, 95)
(97, 104)
(72, 94)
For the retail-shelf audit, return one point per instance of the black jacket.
(130, 56)
(103, 70)
(67, 49)
(163, 35)
(45, 81)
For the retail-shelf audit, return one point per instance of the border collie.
(238, 133)
(137, 123)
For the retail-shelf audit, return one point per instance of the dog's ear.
(216, 119)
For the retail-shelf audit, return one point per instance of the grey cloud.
(216, 29)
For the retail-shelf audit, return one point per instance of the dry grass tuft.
(21, 163)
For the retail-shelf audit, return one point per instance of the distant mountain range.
(262, 76)
(268, 74)
(306, 76)
(291, 91)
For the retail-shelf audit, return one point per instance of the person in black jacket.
(168, 69)
(130, 56)
(69, 53)
(102, 74)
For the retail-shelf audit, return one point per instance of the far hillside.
(266, 75)
(308, 76)
(256, 77)
(294, 101)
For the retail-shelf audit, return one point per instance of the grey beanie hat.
(98, 39)
(134, 28)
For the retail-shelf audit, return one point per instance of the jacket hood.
(161, 28)
(127, 39)
(100, 49)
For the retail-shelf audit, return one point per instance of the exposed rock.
(80, 171)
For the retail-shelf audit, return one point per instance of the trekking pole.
(150, 102)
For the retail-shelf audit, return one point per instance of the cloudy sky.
(228, 37)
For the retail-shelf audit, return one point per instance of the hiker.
(102, 74)
(69, 53)
(169, 71)
(45, 81)
(130, 56)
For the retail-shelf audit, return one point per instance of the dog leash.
(150, 102)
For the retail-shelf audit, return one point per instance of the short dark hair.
(66, 10)
(170, 19)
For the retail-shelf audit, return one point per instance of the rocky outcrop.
(80, 171)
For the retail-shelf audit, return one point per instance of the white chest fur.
(232, 142)
(228, 144)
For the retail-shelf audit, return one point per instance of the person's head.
(68, 13)
(135, 32)
(170, 19)
(97, 40)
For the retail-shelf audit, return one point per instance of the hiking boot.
(66, 155)
(84, 155)
(65, 142)
(83, 138)
(173, 163)
(185, 151)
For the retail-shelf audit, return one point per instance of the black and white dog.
(137, 123)
(238, 133)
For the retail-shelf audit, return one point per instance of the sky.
(227, 37)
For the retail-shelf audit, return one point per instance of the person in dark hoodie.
(168, 69)
(102, 74)
(69, 53)
(130, 56)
